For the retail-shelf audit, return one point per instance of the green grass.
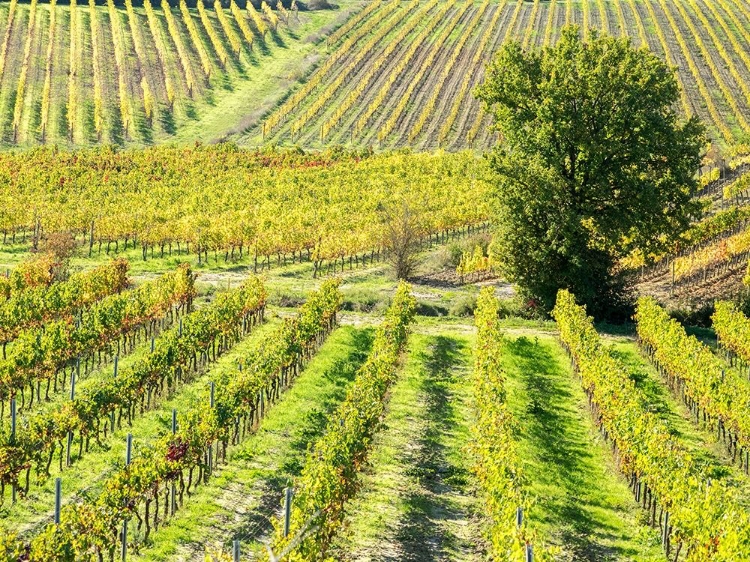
(245, 495)
(582, 503)
(234, 98)
(416, 491)
(702, 443)
(86, 476)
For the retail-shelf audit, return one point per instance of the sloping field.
(142, 71)
(405, 73)
(392, 74)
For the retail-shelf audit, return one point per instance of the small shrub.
(464, 306)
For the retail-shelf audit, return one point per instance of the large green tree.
(593, 161)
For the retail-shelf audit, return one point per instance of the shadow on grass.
(278, 39)
(564, 449)
(269, 487)
(422, 534)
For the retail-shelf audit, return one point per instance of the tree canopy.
(593, 161)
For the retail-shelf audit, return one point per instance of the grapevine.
(323, 98)
(526, 40)
(467, 81)
(234, 39)
(270, 15)
(21, 87)
(34, 306)
(73, 70)
(257, 20)
(705, 93)
(195, 36)
(119, 49)
(98, 96)
(721, 394)
(42, 354)
(497, 464)
(6, 40)
(331, 468)
(179, 44)
(342, 51)
(456, 52)
(221, 52)
(239, 17)
(372, 73)
(705, 516)
(47, 88)
(433, 53)
(354, 22)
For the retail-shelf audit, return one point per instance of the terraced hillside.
(402, 73)
(145, 71)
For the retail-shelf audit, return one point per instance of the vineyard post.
(13, 440)
(13, 420)
(112, 418)
(519, 517)
(671, 289)
(174, 489)
(236, 550)
(153, 340)
(529, 553)
(287, 510)
(128, 457)
(211, 445)
(72, 397)
(58, 499)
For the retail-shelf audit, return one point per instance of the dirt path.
(416, 503)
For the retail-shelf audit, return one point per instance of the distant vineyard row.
(228, 201)
(114, 72)
(405, 73)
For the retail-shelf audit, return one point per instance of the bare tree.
(402, 238)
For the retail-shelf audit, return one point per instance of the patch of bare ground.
(726, 286)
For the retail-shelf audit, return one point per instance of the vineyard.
(143, 72)
(177, 417)
(224, 204)
(383, 73)
(262, 297)
(393, 80)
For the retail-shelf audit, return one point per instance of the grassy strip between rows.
(89, 530)
(580, 502)
(418, 488)
(242, 499)
(703, 517)
(330, 475)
